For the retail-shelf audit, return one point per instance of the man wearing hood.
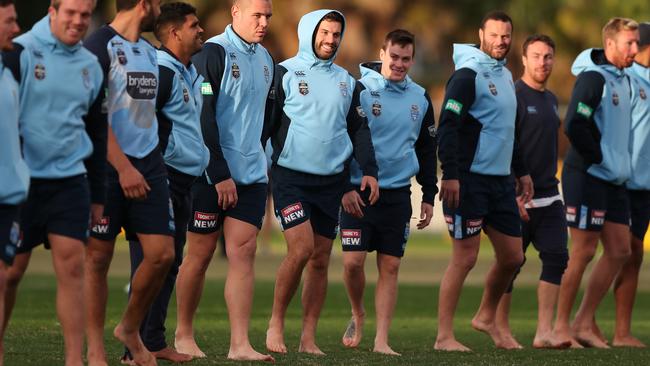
(230, 196)
(597, 165)
(477, 149)
(401, 121)
(316, 123)
(638, 189)
(65, 152)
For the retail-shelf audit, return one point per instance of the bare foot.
(589, 340)
(385, 350)
(451, 345)
(563, 335)
(170, 354)
(188, 346)
(596, 330)
(311, 348)
(132, 341)
(248, 354)
(499, 340)
(548, 341)
(628, 341)
(97, 359)
(352, 335)
(275, 341)
(127, 360)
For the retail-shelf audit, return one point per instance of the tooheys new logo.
(141, 85)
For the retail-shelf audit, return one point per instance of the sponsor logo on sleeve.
(473, 226)
(351, 237)
(292, 213)
(584, 110)
(571, 213)
(204, 220)
(598, 217)
(102, 225)
(206, 89)
(454, 106)
(141, 85)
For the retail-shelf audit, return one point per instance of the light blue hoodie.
(613, 119)
(58, 85)
(14, 172)
(318, 96)
(495, 107)
(185, 150)
(640, 137)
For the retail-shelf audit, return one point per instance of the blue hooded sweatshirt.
(316, 121)
(598, 120)
(59, 84)
(640, 137)
(178, 107)
(13, 170)
(402, 126)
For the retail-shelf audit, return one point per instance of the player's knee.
(466, 262)
(584, 256)
(553, 266)
(618, 252)
(389, 268)
(513, 261)
(13, 277)
(353, 266)
(319, 262)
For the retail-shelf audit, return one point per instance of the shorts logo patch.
(571, 213)
(598, 217)
(351, 237)
(292, 213)
(584, 110)
(473, 226)
(206, 89)
(14, 234)
(205, 220)
(454, 106)
(102, 225)
(450, 223)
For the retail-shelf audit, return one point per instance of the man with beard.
(638, 189)
(316, 123)
(598, 163)
(13, 170)
(543, 221)
(138, 196)
(231, 194)
(65, 152)
(477, 149)
(178, 109)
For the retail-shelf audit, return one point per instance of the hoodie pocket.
(615, 167)
(315, 155)
(493, 155)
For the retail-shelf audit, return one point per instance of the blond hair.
(616, 25)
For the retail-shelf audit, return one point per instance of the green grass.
(33, 337)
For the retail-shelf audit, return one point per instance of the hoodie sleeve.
(364, 152)
(425, 150)
(459, 97)
(11, 60)
(165, 87)
(210, 63)
(518, 164)
(580, 128)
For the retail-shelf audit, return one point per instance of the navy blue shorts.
(153, 215)
(55, 206)
(207, 217)
(484, 200)
(384, 226)
(591, 201)
(299, 197)
(639, 212)
(9, 233)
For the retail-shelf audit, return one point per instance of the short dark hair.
(537, 38)
(333, 16)
(5, 3)
(497, 15)
(126, 4)
(172, 13)
(401, 37)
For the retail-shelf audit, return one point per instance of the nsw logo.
(205, 220)
(102, 225)
(292, 213)
(141, 85)
(571, 213)
(351, 237)
(598, 217)
(473, 226)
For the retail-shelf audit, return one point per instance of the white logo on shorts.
(292, 212)
(351, 237)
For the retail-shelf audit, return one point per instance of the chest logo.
(235, 71)
(37, 53)
(232, 55)
(642, 94)
(343, 87)
(121, 56)
(531, 109)
(374, 94)
(267, 74)
(361, 112)
(39, 72)
(493, 89)
(186, 95)
(85, 75)
(136, 51)
(299, 73)
(303, 88)
(415, 112)
(376, 109)
(615, 98)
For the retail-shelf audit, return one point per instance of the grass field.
(33, 337)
